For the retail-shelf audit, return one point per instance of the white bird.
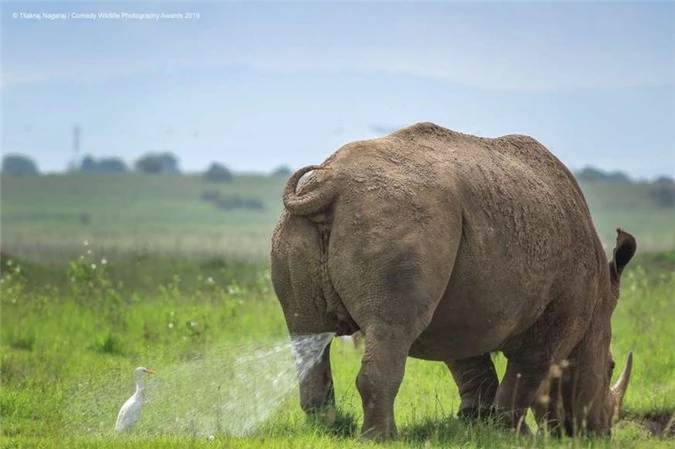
(131, 410)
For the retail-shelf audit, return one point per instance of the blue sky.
(256, 85)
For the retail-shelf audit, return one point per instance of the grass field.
(164, 213)
(171, 283)
(135, 212)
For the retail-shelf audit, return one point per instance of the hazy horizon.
(259, 85)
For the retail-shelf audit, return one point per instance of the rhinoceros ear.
(623, 253)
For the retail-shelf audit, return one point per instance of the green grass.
(68, 349)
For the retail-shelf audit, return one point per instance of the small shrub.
(335, 422)
(14, 369)
(172, 291)
(237, 202)
(253, 204)
(12, 282)
(23, 341)
(210, 196)
(91, 287)
(263, 282)
(108, 343)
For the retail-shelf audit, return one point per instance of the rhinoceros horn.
(621, 385)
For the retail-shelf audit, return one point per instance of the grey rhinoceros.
(444, 246)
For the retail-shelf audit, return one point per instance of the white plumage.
(131, 410)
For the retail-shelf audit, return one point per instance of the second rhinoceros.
(444, 246)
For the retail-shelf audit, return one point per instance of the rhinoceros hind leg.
(380, 377)
(477, 381)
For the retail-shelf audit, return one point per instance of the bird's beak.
(150, 371)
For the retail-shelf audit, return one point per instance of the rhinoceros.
(444, 246)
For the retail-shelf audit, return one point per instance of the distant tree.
(169, 163)
(19, 164)
(591, 174)
(112, 165)
(150, 163)
(282, 171)
(157, 163)
(618, 177)
(107, 165)
(88, 164)
(664, 180)
(218, 173)
(663, 195)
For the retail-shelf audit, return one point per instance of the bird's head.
(141, 371)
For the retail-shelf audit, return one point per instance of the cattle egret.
(131, 409)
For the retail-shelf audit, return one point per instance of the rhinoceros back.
(512, 186)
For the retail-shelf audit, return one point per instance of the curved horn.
(311, 202)
(621, 385)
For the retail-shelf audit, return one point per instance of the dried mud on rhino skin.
(659, 423)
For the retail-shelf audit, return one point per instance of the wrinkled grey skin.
(445, 246)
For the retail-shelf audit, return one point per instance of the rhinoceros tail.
(311, 202)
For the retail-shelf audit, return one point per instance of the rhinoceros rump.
(445, 246)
